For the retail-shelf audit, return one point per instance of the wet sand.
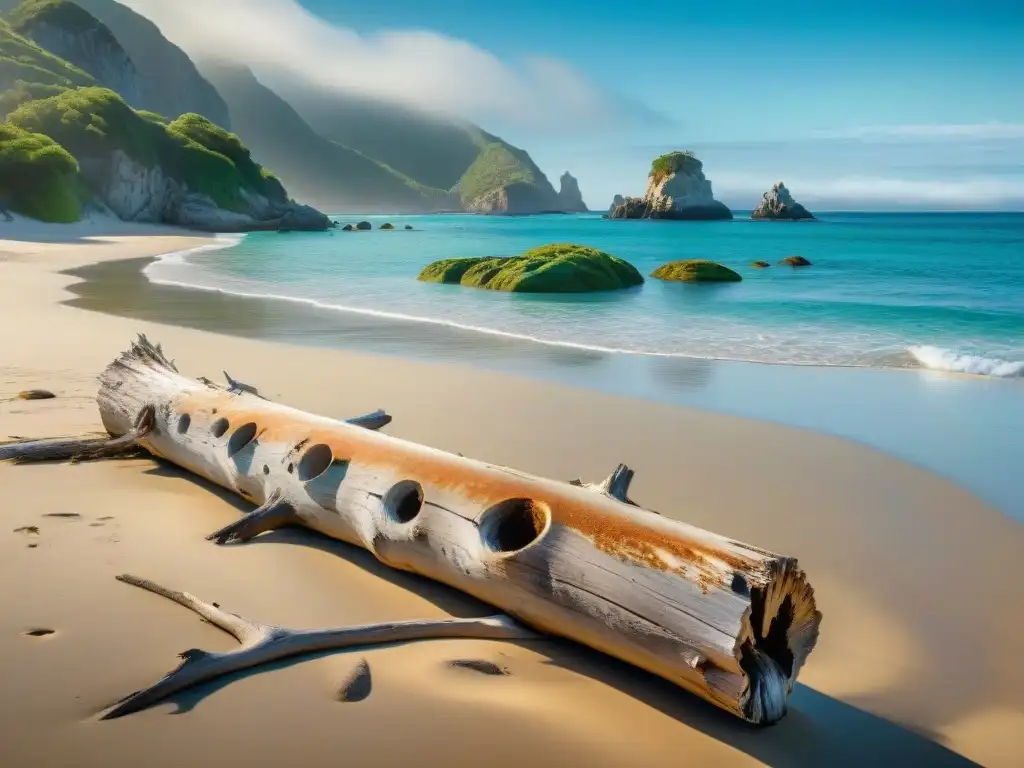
(918, 661)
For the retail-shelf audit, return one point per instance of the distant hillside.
(173, 84)
(319, 170)
(69, 31)
(433, 150)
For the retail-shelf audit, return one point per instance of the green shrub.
(38, 177)
(670, 163)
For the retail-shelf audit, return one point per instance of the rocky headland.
(778, 204)
(676, 189)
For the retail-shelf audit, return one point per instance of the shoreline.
(913, 666)
(904, 416)
(913, 364)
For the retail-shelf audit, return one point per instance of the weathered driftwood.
(725, 620)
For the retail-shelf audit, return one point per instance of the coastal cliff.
(778, 204)
(66, 30)
(570, 199)
(676, 189)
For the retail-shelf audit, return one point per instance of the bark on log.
(727, 621)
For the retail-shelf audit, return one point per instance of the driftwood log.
(727, 621)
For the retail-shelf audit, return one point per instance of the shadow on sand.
(819, 730)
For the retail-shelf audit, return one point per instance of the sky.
(866, 105)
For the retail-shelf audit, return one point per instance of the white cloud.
(858, 192)
(976, 131)
(417, 67)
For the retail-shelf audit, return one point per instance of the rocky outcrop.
(616, 202)
(676, 189)
(795, 261)
(72, 33)
(135, 192)
(570, 199)
(778, 205)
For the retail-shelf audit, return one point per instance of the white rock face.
(134, 192)
(687, 188)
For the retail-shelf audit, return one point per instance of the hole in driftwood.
(220, 427)
(241, 437)
(404, 501)
(514, 524)
(315, 462)
(184, 422)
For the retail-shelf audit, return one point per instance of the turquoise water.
(942, 291)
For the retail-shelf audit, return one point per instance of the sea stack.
(569, 198)
(676, 189)
(616, 202)
(778, 205)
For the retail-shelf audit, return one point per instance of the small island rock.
(387, 225)
(696, 271)
(570, 199)
(795, 261)
(761, 264)
(408, 226)
(558, 268)
(616, 202)
(348, 228)
(364, 226)
(676, 189)
(778, 205)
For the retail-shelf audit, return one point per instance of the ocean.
(940, 291)
(895, 308)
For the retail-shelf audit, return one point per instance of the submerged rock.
(570, 199)
(696, 271)
(408, 226)
(795, 261)
(348, 228)
(761, 264)
(676, 189)
(778, 205)
(558, 268)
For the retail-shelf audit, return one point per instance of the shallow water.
(941, 291)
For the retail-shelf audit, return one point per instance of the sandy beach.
(917, 664)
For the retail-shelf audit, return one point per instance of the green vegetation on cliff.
(38, 177)
(557, 268)
(27, 71)
(93, 123)
(496, 166)
(696, 271)
(59, 13)
(667, 164)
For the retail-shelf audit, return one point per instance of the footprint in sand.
(39, 632)
(357, 684)
(482, 666)
(32, 532)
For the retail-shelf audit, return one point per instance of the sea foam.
(939, 359)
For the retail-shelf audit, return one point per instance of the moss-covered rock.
(558, 268)
(795, 261)
(761, 264)
(387, 225)
(696, 271)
